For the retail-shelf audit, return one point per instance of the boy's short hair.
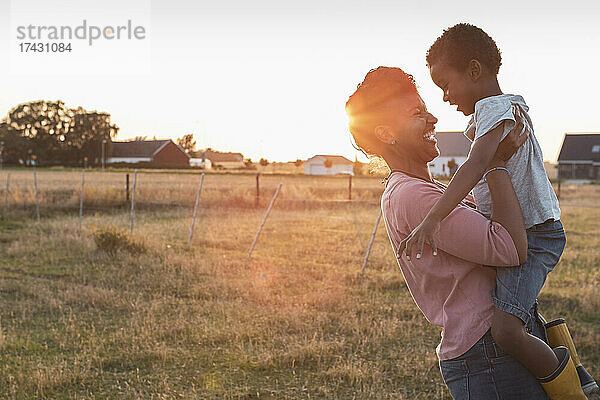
(366, 107)
(460, 44)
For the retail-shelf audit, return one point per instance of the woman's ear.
(384, 135)
(474, 70)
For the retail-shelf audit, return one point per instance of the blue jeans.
(485, 372)
(517, 288)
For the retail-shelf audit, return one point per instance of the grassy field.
(159, 320)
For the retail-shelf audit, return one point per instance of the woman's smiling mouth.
(429, 136)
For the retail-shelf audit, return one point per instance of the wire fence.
(29, 192)
(38, 194)
(61, 190)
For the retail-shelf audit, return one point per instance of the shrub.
(111, 239)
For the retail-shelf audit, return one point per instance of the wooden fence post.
(81, 197)
(127, 187)
(132, 212)
(195, 209)
(371, 241)
(349, 187)
(257, 188)
(264, 219)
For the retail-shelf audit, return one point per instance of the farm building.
(328, 165)
(219, 159)
(579, 156)
(454, 149)
(200, 162)
(158, 151)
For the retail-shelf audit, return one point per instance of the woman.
(389, 119)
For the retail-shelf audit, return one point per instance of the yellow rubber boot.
(563, 383)
(558, 335)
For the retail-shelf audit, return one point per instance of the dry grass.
(297, 321)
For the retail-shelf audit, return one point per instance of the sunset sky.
(270, 78)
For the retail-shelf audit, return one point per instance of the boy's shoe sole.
(590, 388)
(588, 384)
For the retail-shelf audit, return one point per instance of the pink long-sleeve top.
(451, 289)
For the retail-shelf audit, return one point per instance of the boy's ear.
(474, 70)
(383, 134)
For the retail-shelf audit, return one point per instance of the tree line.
(49, 133)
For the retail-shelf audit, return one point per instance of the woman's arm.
(505, 207)
(464, 180)
(467, 234)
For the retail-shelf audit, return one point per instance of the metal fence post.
(81, 197)
(371, 241)
(195, 209)
(5, 214)
(264, 220)
(37, 200)
(132, 212)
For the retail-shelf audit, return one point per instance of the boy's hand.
(420, 235)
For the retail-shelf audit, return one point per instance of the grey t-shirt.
(526, 167)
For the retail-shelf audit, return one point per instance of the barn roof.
(137, 148)
(580, 147)
(453, 144)
(335, 160)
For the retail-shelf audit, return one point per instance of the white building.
(202, 163)
(454, 149)
(328, 165)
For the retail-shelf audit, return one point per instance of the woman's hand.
(511, 143)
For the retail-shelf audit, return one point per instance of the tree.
(14, 146)
(357, 166)
(44, 125)
(264, 162)
(140, 138)
(54, 133)
(452, 166)
(89, 130)
(298, 163)
(187, 143)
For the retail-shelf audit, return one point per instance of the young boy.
(464, 62)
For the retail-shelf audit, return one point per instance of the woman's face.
(412, 127)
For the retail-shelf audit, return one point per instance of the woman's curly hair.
(366, 107)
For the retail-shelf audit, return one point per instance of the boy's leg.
(516, 292)
(510, 334)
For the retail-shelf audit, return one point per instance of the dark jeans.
(485, 372)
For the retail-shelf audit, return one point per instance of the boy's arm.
(464, 180)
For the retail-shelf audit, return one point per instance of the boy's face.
(459, 89)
